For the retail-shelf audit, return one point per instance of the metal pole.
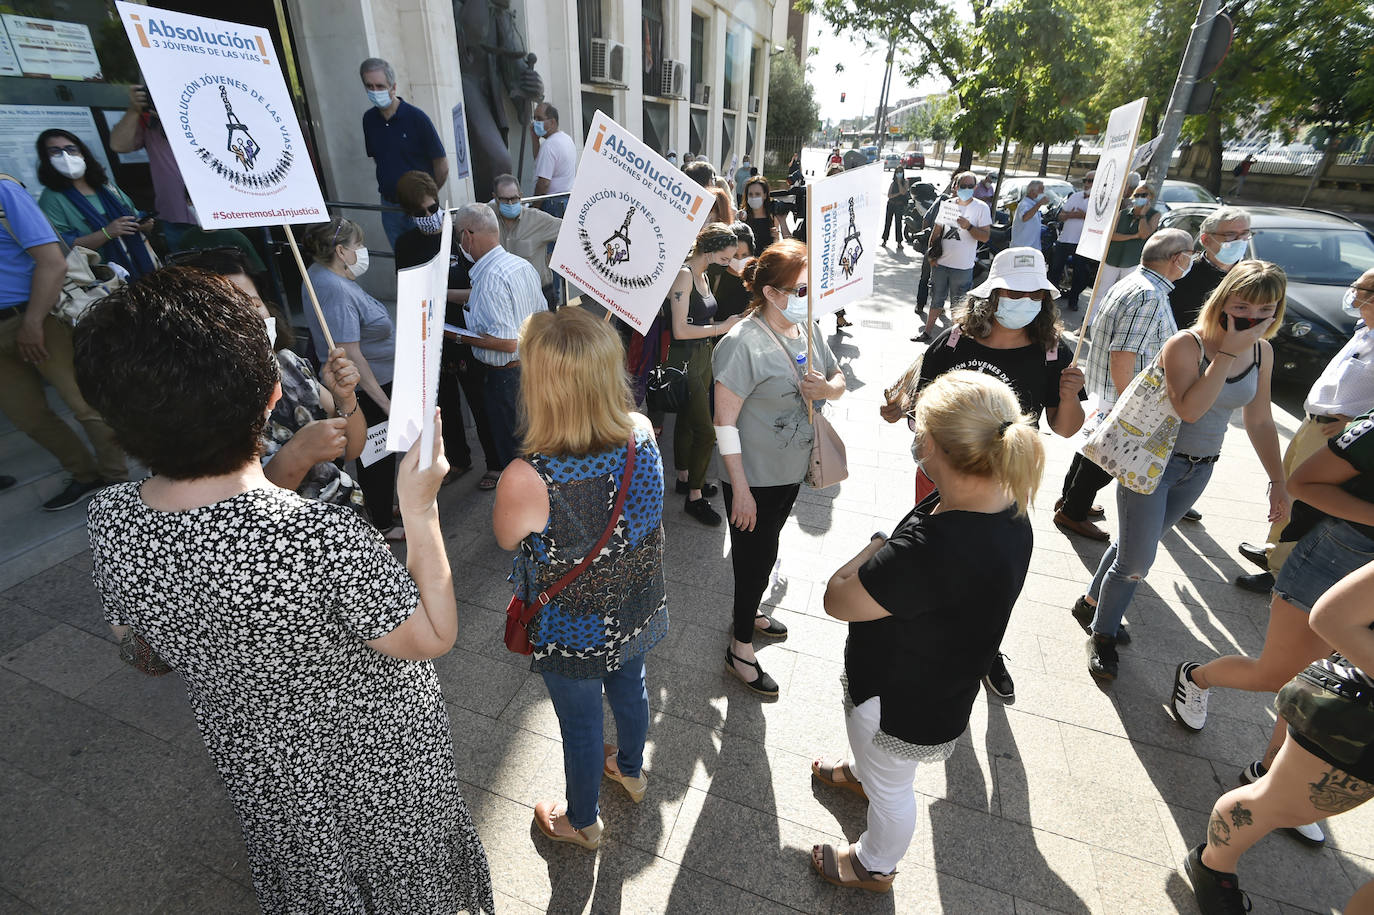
(1183, 92)
(887, 89)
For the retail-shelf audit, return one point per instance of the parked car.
(1179, 193)
(913, 158)
(892, 160)
(1322, 253)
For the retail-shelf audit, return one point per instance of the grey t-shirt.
(352, 315)
(775, 436)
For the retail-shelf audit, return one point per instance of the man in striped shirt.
(505, 291)
(1132, 323)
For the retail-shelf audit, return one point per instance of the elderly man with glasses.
(527, 232)
(1222, 241)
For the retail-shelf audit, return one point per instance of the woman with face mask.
(1136, 222)
(1009, 329)
(363, 328)
(731, 296)
(87, 208)
(759, 217)
(763, 383)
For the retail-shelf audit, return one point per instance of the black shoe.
(702, 511)
(1256, 555)
(1102, 658)
(1192, 514)
(707, 489)
(999, 681)
(774, 629)
(763, 684)
(73, 494)
(1258, 583)
(1084, 612)
(1216, 893)
(1096, 513)
(922, 337)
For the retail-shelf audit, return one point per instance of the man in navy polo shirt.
(36, 347)
(400, 138)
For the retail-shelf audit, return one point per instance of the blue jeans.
(580, 719)
(394, 223)
(948, 284)
(1144, 519)
(557, 206)
(502, 396)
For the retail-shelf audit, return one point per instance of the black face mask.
(1241, 323)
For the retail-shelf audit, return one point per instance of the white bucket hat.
(1015, 269)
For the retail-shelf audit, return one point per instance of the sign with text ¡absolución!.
(844, 215)
(219, 90)
(1118, 145)
(631, 218)
(421, 295)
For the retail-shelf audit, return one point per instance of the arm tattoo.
(1336, 791)
(1241, 817)
(677, 297)
(1218, 833)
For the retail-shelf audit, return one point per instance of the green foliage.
(792, 108)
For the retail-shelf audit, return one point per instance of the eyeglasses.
(183, 257)
(1361, 291)
(1233, 236)
(799, 290)
(515, 199)
(967, 187)
(68, 150)
(911, 420)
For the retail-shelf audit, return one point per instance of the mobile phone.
(1241, 323)
(145, 215)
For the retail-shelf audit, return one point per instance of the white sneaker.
(1189, 702)
(1310, 833)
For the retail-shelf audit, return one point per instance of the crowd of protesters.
(346, 787)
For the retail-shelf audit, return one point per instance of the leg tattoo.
(1218, 833)
(1240, 816)
(1336, 791)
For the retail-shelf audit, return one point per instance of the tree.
(792, 109)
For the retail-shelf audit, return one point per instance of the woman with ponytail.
(915, 654)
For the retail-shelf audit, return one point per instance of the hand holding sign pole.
(1105, 203)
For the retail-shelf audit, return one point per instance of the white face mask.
(71, 166)
(379, 97)
(1013, 314)
(795, 311)
(360, 266)
(737, 264)
(756, 202)
(1231, 251)
(1186, 270)
(271, 331)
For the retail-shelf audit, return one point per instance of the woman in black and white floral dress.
(302, 641)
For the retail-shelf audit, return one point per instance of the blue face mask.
(509, 210)
(379, 97)
(538, 128)
(1014, 314)
(1231, 251)
(1140, 201)
(965, 194)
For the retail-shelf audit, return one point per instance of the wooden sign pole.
(810, 293)
(309, 287)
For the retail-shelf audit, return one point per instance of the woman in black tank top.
(693, 326)
(757, 215)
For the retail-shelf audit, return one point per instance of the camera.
(791, 201)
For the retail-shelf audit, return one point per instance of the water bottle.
(801, 363)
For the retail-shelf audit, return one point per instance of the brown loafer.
(1081, 528)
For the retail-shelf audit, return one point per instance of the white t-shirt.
(959, 254)
(1071, 230)
(557, 162)
(1346, 385)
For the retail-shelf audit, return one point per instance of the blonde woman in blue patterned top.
(554, 506)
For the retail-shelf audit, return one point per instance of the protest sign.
(630, 221)
(843, 218)
(374, 449)
(949, 213)
(1112, 168)
(421, 294)
(218, 89)
(1143, 154)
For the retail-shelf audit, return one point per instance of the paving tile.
(13, 904)
(157, 705)
(66, 595)
(478, 682)
(524, 865)
(1141, 770)
(19, 625)
(65, 659)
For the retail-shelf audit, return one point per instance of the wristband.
(342, 415)
(107, 233)
(727, 439)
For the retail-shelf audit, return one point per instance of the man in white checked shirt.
(505, 291)
(1344, 390)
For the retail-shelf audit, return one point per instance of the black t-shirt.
(950, 581)
(731, 296)
(414, 248)
(1356, 447)
(1027, 370)
(1191, 292)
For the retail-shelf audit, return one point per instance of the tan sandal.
(826, 773)
(546, 815)
(634, 787)
(829, 869)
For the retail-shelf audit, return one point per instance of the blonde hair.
(321, 238)
(977, 421)
(574, 393)
(1254, 281)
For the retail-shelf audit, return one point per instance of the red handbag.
(519, 613)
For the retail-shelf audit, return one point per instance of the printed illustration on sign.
(853, 249)
(244, 147)
(237, 161)
(618, 245)
(1106, 187)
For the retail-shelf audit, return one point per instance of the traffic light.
(842, 95)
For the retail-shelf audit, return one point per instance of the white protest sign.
(843, 218)
(219, 90)
(1143, 154)
(949, 213)
(630, 221)
(1112, 168)
(374, 449)
(421, 293)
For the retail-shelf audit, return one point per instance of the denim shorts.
(1326, 554)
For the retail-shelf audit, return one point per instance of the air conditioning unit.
(673, 79)
(608, 61)
(754, 104)
(701, 94)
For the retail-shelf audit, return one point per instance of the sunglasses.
(432, 209)
(799, 290)
(911, 420)
(182, 257)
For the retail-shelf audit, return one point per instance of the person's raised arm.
(1342, 617)
(1258, 416)
(1067, 418)
(846, 598)
(124, 134)
(339, 397)
(432, 628)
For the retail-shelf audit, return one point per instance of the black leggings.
(378, 482)
(752, 553)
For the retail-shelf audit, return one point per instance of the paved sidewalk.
(1073, 799)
